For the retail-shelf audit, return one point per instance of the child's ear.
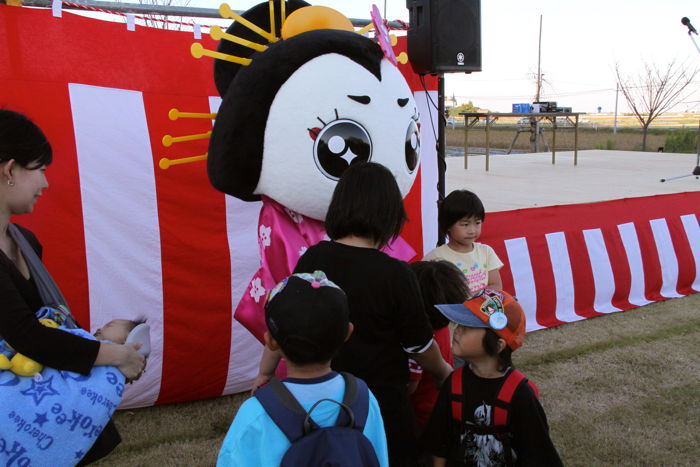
(501, 345)
(351, 328)
(270, 342)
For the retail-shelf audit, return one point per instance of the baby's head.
(460, 205)
(116, 330)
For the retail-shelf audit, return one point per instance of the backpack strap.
(505, 395)
(456, 394)
(283, 408)
(356, 398)
(288, 414)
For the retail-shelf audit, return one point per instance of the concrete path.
(530, 180)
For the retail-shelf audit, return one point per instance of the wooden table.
(472, 118)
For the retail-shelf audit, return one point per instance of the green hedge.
(685, 141)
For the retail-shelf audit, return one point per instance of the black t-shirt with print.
(531, 443)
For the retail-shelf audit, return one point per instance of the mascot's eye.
(339, 144)
(412, 146)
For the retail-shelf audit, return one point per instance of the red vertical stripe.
(582, 272)
(544, 282)
(650, 260)
(506, 275)
(620, 268)
(413, 229)
(686, 260)
(196, 266)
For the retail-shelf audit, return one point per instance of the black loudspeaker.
(444, 35)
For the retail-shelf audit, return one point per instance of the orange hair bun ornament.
(314, 17)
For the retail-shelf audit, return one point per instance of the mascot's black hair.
(236, 146)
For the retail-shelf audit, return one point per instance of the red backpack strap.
(456, 394)
(505, 395)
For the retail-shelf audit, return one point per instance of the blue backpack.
(342, 444)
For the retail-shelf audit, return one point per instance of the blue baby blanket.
(53, 418)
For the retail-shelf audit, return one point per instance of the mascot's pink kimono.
(295, 114)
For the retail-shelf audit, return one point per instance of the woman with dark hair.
(366, 212)
(24, 155)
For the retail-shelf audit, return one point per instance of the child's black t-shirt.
(385, 308)
(528, 425)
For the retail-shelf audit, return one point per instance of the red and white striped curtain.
(571, 262)
(124, 238)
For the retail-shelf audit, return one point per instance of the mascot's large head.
(305, 108)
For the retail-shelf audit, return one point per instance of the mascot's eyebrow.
(362, 99)
(402, 102)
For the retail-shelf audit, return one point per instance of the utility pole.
(617, 91)
(539, 59)
(534, 124)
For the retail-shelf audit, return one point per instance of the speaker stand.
(440, 143)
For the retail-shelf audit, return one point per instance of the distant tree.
(654, 91)
(468, 107)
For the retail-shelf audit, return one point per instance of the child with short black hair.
(460, 217)
(440, 282)
(308, 321)
(488, 413)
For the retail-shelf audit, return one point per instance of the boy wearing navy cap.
(308, 321)
(488, 413)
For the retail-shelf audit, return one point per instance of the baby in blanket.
(53, 417)
(116, 331)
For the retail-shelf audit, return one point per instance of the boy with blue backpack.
(315, 416)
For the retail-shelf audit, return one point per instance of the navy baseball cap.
(307, 310)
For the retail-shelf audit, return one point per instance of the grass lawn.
(622, 389)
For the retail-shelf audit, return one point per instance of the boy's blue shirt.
(254, 440)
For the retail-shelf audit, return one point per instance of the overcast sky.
(581, 43)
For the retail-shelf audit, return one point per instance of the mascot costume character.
(296, 112)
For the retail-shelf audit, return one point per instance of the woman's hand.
(124, 357)
(134, 364)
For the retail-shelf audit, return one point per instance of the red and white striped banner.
(571, 262)
(124, 238)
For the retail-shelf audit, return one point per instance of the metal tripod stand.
(696, 171)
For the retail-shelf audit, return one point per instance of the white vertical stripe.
(429, 169)
(241, 230)
(692, 231)
(603, 278)
(563, 277)
(120, 217)
(628, 234)
(523, 279)
(667, 258)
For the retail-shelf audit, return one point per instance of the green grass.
(620, 389)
